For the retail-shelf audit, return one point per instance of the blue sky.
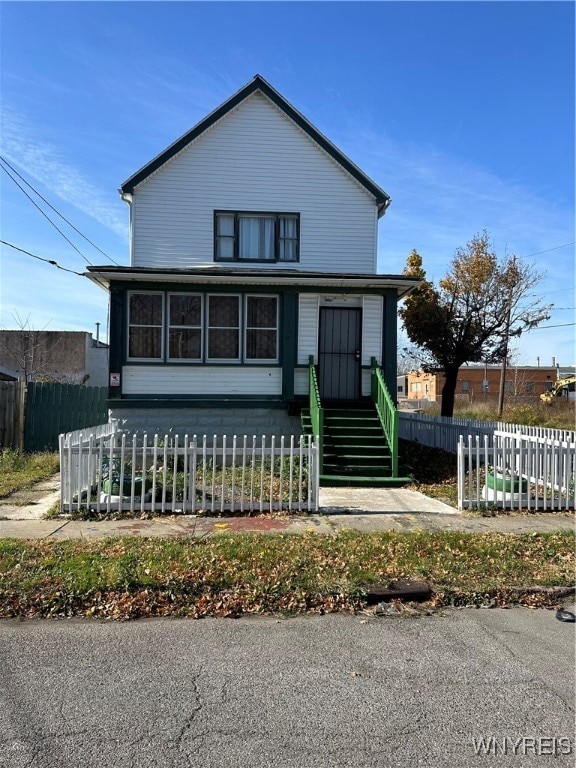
(462, 111)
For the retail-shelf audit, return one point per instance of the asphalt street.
(309, 691)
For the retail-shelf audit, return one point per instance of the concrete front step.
(357, 481)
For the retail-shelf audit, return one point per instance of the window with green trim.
(177, 327)
(247, 236)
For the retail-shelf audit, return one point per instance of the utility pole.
(505, 357)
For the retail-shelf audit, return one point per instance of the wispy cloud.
(70, 303)
(441, 201)
(45, 163)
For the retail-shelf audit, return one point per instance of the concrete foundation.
(207, 421)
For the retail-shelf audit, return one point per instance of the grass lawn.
(283, 574)
(433, 470)
(19, 471)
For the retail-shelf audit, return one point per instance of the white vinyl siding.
(307, 328)
(372, 307)
(253, 159)
(149, 380)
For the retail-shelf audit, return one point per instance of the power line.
(3, 159)
(556, 248)
(47, 261)
(35, 204)
(542, 327)
(49, 219)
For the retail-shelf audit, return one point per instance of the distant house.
(477, 383)
(71, 357)
(402, 386)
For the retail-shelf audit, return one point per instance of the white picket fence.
(516, 471)
(107, 470)
(444, 432)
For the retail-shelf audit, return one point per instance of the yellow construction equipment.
(556, 391)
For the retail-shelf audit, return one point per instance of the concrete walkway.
(31, 504)
(362, 509)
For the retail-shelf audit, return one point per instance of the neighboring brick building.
(71, 357)
(522, 383)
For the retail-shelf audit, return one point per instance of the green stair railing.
(386, 410)
(316, 411)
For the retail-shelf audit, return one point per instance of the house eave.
(214, 276)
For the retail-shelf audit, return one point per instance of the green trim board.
(289, 343)
(117, 350)
(258, 83)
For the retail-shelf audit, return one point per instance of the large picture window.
(268, 237)
(176, 327)
(145, 315)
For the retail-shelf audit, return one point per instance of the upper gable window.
(256, 237)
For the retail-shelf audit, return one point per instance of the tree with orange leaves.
(480, 305)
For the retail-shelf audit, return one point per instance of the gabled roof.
(259, 84)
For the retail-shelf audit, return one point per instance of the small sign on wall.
(114, 379)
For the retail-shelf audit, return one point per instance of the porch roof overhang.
(219, 276)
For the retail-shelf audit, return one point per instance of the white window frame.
(208, 327)
(169, 327)
(244, 321)
(129, 325)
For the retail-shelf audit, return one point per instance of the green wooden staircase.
(358, 441)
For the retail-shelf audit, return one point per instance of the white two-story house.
(253, 246)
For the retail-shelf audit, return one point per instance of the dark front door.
(339, 364)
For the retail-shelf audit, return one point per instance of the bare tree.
(24, 349)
